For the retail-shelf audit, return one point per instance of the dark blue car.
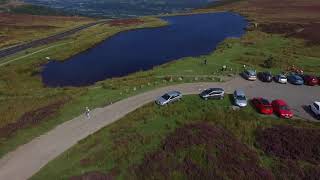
(295, 79)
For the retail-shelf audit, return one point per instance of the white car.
(315, 108)
(281, 79)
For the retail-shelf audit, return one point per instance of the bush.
(269, 63)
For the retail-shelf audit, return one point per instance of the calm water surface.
(136, 50)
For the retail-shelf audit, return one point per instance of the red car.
(281, 109)
(310, 80)
(262, 105)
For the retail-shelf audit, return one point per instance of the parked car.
(281, 108)
(315, 108)
(265, 76)
(212, 93)
(310, 80)
(262, 105)
(319, 80)
(295, 79)
(250, 75)
(168, 98)
(280, 78)
(240, 98)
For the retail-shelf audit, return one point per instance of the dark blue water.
(143, 49)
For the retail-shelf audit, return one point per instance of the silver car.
(212, 93)
(169, 97)
(281, 79)
(240, 98)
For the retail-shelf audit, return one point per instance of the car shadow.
(230, 98)
(307, 109)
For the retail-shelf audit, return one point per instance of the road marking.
(2, 64)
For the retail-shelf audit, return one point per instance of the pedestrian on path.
(87, 112)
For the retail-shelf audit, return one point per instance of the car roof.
(280, 102)
(317, 102)
(251, 71)
(215, 89)
(267, 72)
(239, 92)
(173, 93)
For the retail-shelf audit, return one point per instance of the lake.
(142, 49)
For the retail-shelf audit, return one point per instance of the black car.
(265, 76)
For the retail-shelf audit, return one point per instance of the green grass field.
(124, 144)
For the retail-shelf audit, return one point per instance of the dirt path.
(31, 157)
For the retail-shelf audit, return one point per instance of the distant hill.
(124, 8)
(20, 7)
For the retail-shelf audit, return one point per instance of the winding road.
(15, 49)
(31, 157)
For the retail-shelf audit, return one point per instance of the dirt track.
(31, 157)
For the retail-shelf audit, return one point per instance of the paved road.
(15, 49)
(31, 157)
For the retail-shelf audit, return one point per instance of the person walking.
(87, 112)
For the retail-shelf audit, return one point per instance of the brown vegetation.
(289, 169)
(289, 142)
(21, 28)
(295, 17)
(93, 176)
(309, 32)
(202, 151)
(125, 22)
(32, 118)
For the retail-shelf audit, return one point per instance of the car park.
(265, 76)
(250, 75)
(240, 98)
(315, 108)
(281, 108)
(281, 78)
(212, 93)
(310, 80)
(168, 98)
(262, 105)
(295, 79)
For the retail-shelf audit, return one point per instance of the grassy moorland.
(20, 28)
(191, 139)
(28, 108)
(28, 97)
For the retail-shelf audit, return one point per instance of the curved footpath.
(31, 157)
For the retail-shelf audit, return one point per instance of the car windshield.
(284, 107)
(166, 96)
(208, 91)
(241, 97)
(265, 102)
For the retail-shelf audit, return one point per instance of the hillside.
(125, 8)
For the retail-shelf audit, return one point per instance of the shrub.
(289, 142)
